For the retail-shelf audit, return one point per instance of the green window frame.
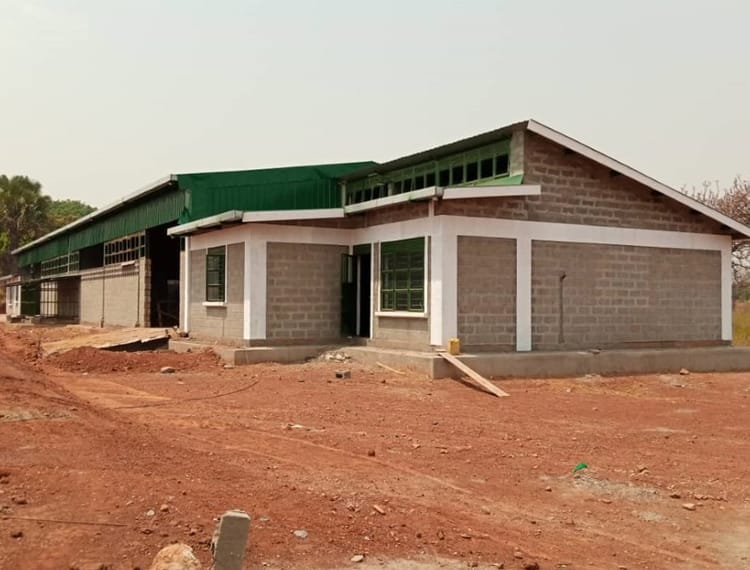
(216, 274)
(402, 275)
(471, 167)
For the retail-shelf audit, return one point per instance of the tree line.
(26, 213)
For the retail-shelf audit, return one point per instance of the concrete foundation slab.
(506, 364)
(255, 354)
(565, 364)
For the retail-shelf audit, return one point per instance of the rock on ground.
(176, 557)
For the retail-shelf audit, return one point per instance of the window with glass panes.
(466, 168)
(216, 274)
(402, 275)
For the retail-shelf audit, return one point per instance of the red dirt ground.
(461, 477)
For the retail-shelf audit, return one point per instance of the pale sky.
(99, 98)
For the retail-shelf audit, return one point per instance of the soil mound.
(94, 360)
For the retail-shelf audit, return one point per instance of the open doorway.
(164, 254)
(356, 298)
(363, 266)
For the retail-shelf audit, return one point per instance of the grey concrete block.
(230, 540)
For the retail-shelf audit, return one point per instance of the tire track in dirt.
(328, 457)
(478, 500)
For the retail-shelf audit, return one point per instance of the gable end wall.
(580, 191)
(577, 190)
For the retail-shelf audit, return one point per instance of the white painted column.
(443, 282)
(523, 294)
(374, 285)
(726, 290)
(257, 273)
(246, 289)
(186, 296)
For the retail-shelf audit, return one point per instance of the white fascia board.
(413, 196)
(229, 217)
(463, 192)
(291, 215)
(101, 211)
(617, 166)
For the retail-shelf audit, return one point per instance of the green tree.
(64, 212)
(24, 215)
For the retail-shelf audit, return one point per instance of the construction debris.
(120, 339)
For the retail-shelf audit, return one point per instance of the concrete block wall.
(577, 190)
(303, 293)
(622, 295)
(486, 293)
(408, 333)
(125, 296)
(91, 296)
(224, 321)
(517, 144)
(396, 213)
(68, 297)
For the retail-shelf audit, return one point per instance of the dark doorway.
(356, 272)
(348, 296)
(363, 277)
(164, 254)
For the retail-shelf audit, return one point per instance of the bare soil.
(410, 472)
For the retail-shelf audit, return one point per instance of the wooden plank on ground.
(474, 375)
(389, 369)
(110, 339)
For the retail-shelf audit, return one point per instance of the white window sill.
(401, 314)
(214, 304)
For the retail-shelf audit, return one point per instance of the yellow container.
(454, 346)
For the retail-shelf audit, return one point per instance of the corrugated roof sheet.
(288, 188)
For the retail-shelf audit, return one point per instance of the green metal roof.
(189, 197)
(152, 210)
(289, 188)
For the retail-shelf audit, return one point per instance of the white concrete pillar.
(443, 281)
(256, 270)
(185, 279)
(523, 294)
(246, 291)
(726, 290)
